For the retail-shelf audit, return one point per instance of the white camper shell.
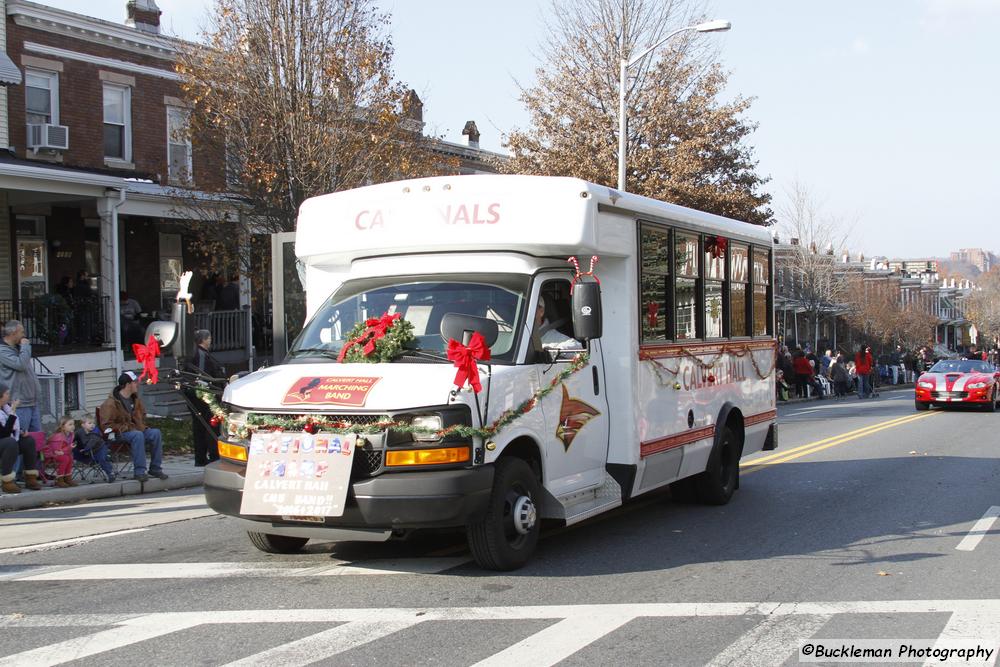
(677, 387)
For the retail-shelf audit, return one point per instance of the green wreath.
(387, 346)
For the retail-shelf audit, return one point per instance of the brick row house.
(92, 115)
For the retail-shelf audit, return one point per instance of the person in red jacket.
(805, 375)
(863, 366)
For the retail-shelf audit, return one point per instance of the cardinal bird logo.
(306, 390)
(573, 415)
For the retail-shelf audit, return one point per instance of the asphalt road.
(867, 523)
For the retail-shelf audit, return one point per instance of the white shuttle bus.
(649, 361)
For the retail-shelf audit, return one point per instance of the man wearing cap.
(124, 413)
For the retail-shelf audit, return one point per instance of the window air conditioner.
(44, 135)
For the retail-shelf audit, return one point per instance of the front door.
(576, 412)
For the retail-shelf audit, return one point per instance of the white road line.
(971, 541)
(989, 608)
(323, 645)
(131, 632)
(558, 641)
(72, 542)
(771, 642)
(981, 628)
(124, 571)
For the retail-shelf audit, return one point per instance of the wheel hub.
(525, 515)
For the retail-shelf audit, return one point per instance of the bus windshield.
(422, 303)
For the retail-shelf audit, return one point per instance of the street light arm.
(652, 48)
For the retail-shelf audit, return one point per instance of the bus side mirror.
(587, 318)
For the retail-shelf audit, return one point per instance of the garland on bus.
(737, 351)
(317, 423)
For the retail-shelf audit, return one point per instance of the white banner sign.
(298, 475)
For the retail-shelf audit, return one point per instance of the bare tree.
(982, 305)
(818, 284)
(684, 145)
(298, 99)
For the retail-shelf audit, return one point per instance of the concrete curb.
(126, 487)
(884, 389)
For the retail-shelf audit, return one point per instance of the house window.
(117, 122)
(41, 103)
(178, 145)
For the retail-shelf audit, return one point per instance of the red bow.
(465, 357)
(716, 245)
(376, 328)
(146, 355)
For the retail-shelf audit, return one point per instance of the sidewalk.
(882, 389)
(181, 470)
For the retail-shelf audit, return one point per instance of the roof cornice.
(89, 29)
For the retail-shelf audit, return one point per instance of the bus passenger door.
(576, 412)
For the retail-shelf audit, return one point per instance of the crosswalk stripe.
(982, 627)
(131, 631)
(123, 571)
(323, 645)
(556, 642)
(770, 642)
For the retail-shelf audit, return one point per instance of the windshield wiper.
(423, 354)
(326, 352)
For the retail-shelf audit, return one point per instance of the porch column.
(246, 293)
(107, 209)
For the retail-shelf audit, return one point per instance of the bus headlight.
(236, 424)
(429, 422)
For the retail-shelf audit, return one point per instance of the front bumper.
(424, 499)
(932, 397)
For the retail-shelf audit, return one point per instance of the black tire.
(495, 541)
(277, 544)
(721, 478)
(921, 406)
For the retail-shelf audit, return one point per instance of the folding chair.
(119, 451)
(86, 468)
(46, 468)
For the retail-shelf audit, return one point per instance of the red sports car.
(965, 382)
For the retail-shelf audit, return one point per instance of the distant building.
(983, 260)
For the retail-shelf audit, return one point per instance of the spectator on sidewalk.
(59, 450)
(909, 366)
(229, 295)
(863, 366)
(805, 376)
(124, 413)
(839, 376)
(781, 387)
(896, 365)
(90, 445)
(17, 373)
(12, 445)
(206, 437)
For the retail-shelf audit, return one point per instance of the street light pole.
(708, 26)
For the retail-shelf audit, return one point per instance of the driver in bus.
(546, 335)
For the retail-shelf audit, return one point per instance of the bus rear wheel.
(277, 544)
(717, 484)
(507, 535)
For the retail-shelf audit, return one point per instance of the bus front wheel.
(506, 536)
(277, 544)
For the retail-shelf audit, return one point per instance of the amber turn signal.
(231, 451)
(423, 457)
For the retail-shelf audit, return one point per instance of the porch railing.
(50, 321)
(229, 328)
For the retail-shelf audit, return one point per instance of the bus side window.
(654, 283)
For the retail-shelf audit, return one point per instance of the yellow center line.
(820, 445)
(859, 431)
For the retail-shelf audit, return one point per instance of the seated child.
(59, 449)
(90, 444)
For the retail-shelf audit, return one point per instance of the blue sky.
(885, 111)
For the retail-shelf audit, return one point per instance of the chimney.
(143, 15)
(412, 106)
(471, 133)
